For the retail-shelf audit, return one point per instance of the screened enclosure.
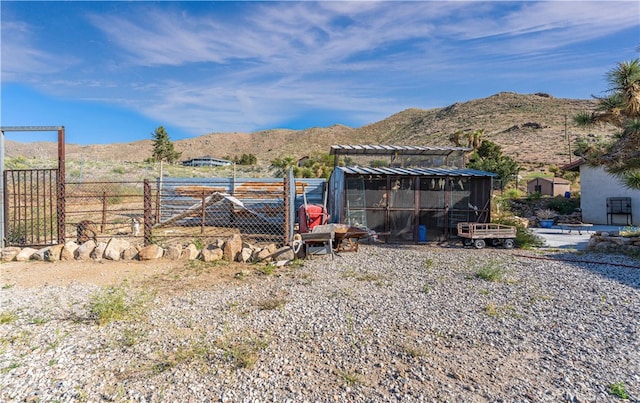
(409, 204)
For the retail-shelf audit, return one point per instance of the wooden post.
(104, 212)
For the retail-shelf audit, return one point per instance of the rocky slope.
(531, 128)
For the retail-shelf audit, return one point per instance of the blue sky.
(115, 71)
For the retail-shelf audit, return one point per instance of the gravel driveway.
(383, 324)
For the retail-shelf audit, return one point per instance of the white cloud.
(538, 26)
(208, 71)
(20, 56)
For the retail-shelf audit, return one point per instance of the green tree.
(281, 165)
(316, 166)
(163, 147)
(621, 108)
(488, 157)
(474, 138)
(245, 159)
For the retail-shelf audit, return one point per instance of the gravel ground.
(384, 324)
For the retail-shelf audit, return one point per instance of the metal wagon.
(481, 234)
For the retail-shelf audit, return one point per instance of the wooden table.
(571, 226)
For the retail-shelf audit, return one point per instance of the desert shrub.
(114, 304)
(524, 237)
(491, 271)
(534, 196)
(563, 205)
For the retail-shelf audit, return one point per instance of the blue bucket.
(422, 233)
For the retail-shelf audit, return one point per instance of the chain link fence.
(162, 211)
(178, 210)
(103, 210)
(209, 208)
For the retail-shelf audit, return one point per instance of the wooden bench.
(571, 226)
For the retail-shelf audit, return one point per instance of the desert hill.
(530, 128)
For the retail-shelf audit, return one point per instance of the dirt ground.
(164, 275)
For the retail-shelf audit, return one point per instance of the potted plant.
(546, 217)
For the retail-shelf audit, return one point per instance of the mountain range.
(534, 129)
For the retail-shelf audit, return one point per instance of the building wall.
(547, 187)
(596, 185)
(544, 184)
(402, 205)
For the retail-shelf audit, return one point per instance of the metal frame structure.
(60, 188)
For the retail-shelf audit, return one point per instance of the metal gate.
(32, 207)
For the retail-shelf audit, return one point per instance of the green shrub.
(563, 205)
(491, 271)
(112, 304)
(524, 237)
(8, 317)
(534, 196)
(619, 389)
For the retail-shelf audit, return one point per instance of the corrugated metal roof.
(355, 170)
(370, 149)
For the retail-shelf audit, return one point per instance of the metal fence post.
(285, 211)
(203, 212)
(147, 213)
(61, 187)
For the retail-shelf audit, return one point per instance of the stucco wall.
(596, 185)
(547, 187)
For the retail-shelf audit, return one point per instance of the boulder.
(150, 252)
(245, 255)
(272, 247)
(284, 253)
(173, 252)
(191, 252)
(40, 254)
(84, 251)
(618, 240)
(54, 253)
(98, 251)
(262, 255)
(212, 253)
(131, 253)
(232, 247)
(115, 248)
(25, 254)
(68, 251)
(9, 253)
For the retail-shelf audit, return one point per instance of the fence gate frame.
(60, 185)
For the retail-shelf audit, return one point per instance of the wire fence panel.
(104, 210)
(166, 211)
(220, 207)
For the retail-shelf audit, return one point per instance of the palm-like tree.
(622, 110)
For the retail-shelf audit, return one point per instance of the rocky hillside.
(530, 128)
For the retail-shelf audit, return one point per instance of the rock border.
(613, 242)
(231, 249)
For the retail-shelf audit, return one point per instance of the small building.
(206, 161)
(604, 198)
(549, 186)
(409, 204)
